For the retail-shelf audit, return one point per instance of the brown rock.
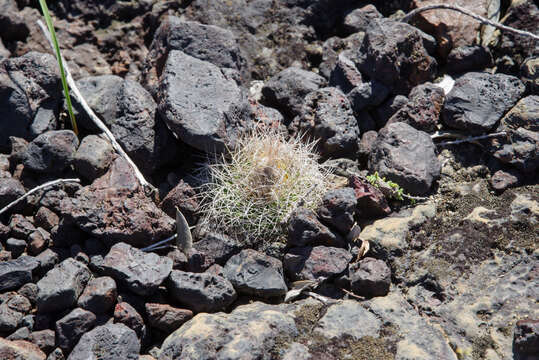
(450, 28)
(46, 218)
(19, 349)
(115, 209)
(167, 318)
(185, 198)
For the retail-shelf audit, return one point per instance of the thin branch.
(37, 188)
(467, 12)
(473, 138)
(94, 117)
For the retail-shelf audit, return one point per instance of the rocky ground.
(451, 276)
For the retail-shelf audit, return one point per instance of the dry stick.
(473, 138)
(37, 188)
(467, 12)
(94, 117)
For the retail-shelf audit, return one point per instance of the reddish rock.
(99, 295)
(127, 315)
(115, 209)
(308, 263)
(371, 202)
(46, 218)
(450, 28)
(20, 226)
(501, 180)
(20, 349)
(165, 317)
(38, 241)
(185, 198)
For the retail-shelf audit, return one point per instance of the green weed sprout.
(252, 191)
(50, 26)
(395, 191)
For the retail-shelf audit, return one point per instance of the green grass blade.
(48, 20)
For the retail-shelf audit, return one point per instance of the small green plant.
(251, 192)
(395, 191)
(50, 26)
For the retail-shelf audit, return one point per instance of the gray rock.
(478, 101)
(38, 241)
(393, 53)
(142, 272)
(406, 156)
(165, 317)
(185, 198)
(72, 326)
(304, 228)
(107, 342)
(47, 259)
(359, 19)
(99, 295)
(338, 209)
(21, 227)
(201, 292)
(32, 76)
(44, 339)
(126, 314)
(15, 246)
(10, 190)
(529, 74)
(502, 180)
(115, 209)
(422, 111)
(367, 95)
(326, 116)
(311, 263)
(286, 90)
(343, 318)
(20, 349)
(15, 273)
(249, 331)
(207, 117)
(22, 333)
(209, 43)
(217, 248)
(419, 339)
(521, 147)
(56, 354)
(60, 288)
(253, 273)
(297, 351)
(9, 319)
(370, 277)
(389, 107)
(93, 157)
(129, 111)
(525, 209)
(29, 291)
(51, 152)
(468, 58)
(526, 338)
(345, 76)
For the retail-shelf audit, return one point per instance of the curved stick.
(467, 12)
(37, 188)
(145, 184)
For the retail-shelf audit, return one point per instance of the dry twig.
(37, 188)
(145, 184)
(469, 139)
(467, 12)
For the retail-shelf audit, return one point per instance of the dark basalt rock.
(253, 273)
(202, 292)
(107, 342)
(34, 76)
(287, 90)
(200, 104)
(142, 272)
(406, 156)
(393, 53)
(478, 101)
(326, 116)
